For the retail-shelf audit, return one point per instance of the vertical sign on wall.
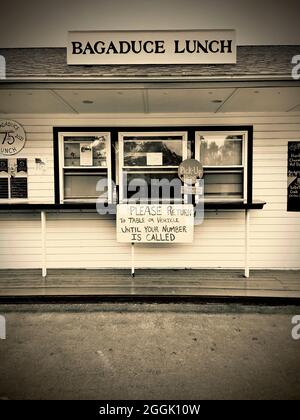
(293, 195)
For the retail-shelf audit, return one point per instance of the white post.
(43, 230)
(247, 234)
(132, 259)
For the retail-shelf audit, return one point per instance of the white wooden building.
(54, 223)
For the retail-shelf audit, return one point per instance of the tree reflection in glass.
(221, 150)
(135, 151)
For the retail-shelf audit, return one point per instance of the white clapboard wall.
(86, 240)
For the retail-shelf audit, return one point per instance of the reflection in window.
(160, 186)
(220, 185)
(164, 152)
(85, 160)
(85, 151)
(82, 186)
(221, 150)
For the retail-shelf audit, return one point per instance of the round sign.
(190, 170)
(12, 137)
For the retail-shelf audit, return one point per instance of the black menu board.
(18, 187)
(293, 196)
(3, 187)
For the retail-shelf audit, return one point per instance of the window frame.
(152, 168)
(102, 169)
(191, 140)
(227, 168)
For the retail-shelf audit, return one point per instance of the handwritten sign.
(293, 198)
(156, 223)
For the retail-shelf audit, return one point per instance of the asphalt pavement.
(149, 351)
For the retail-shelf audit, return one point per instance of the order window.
(84, 160)
(151, 157)
(224, 159)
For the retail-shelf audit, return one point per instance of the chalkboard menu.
(4, 188)
(18, 187)
(293, 198)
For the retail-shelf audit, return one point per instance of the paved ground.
(149, 351)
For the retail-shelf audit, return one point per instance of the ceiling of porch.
(149, 100)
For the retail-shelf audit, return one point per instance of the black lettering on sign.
(77, 47)
(293, 193)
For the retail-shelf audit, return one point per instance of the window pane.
(223, 185)
(152, 151)
(85, 151)
(221, 150)
(79, 186)
(161, 191)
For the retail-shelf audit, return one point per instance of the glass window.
(152, 157)
(81, 186)
(221, 150)
(222, 185)
(85, 151)
(223, 156)
(84, 160)
(165, 186)
(152, 151)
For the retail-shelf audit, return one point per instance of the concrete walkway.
(141, 351)
(192, 283)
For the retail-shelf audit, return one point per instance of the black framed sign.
(293, 194)
(4, 165)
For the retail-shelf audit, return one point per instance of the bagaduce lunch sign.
(151, 47)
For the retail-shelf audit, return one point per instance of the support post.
(132, 259)
(247, 234)
(43, 230)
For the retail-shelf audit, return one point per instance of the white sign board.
(154, 159)
(12, 137)
(158, 223)
(151, 47)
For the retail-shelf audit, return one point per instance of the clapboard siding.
(87, 240)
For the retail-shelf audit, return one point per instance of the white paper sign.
(154, 159)
(157, 223)
(86, 154)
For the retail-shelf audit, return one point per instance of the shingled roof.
(253, 62)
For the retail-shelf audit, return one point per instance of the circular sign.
(189, 171)
(12, 137)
